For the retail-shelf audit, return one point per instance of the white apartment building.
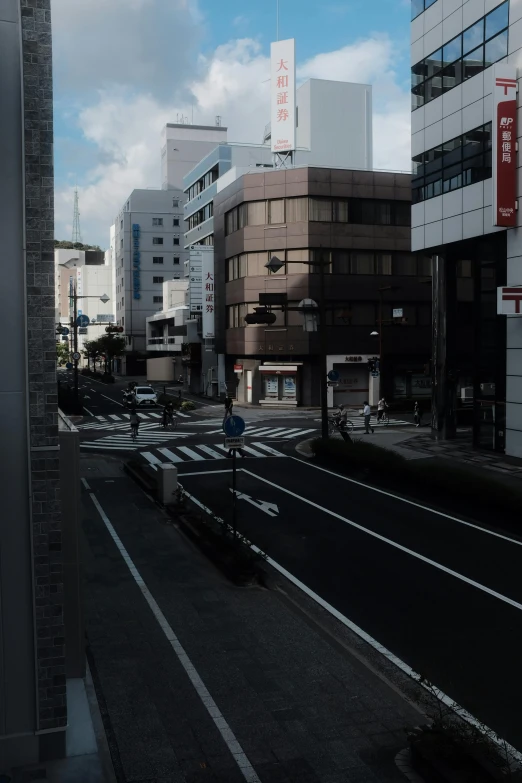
(454, 43)
(148, 251)
(183, 146)
(90, 272)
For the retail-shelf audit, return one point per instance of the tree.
(62, 353)
(64, 244)
(111, 346)
(91, 350)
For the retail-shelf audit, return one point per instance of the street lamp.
(274, 265)
(76, 356)
(378, 334)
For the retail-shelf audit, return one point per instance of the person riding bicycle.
(168, 412)
(382, 406)
(341, 416)
(134, 421)
(417, 415)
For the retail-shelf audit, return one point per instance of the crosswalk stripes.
(271, 432)
(114, 420)
(125, 442)
(183, 454)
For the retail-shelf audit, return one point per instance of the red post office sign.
(504, 145)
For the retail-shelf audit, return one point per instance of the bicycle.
(384, 419)
(336, 425)
(134, 431)
(170, 423)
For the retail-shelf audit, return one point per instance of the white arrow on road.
(269, 508)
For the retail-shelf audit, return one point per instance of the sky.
(124, 68)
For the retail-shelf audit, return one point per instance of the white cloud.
(124, 124)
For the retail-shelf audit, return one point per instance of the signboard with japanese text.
(209, 303)
(282, 95)
(504, 160)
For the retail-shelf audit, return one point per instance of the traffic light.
(112, 329)
(373, 364)
(261, 315)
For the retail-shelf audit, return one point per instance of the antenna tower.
(76, 232)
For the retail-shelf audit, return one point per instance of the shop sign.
(238, 368)
(136, 261)
(207, 269)
(282, 95)
(509, 299)
(353, 359)
(289, 386)
(504, 145)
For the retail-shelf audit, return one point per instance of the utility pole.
(323, 348)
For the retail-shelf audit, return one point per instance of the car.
(145, 395)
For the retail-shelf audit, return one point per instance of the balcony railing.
(162, 340)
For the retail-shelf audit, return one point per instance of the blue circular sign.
(69, 365)
(64, 331)
(333, 376)
(82, 321)
(234, 426)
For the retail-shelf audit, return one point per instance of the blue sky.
(113, 93)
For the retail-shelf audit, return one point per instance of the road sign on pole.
(69, 365)
(83, 320)
(234, 426)
(234, 443)
(76, 356)
(334, 376)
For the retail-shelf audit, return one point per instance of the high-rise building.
(33, 713)
(454, 48)
(183, 146)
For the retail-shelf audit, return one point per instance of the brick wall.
(39, 210)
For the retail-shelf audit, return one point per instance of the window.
(157, 240)
(363, 263)
(405, 264)
(276, 211)
(320, 209)
(157, 259)
(157, 299)
(454, 164)
(296, 210)
(157, 221)
(121, 224)
(483, 43)
(157, 280)
(175, 203)
(175, 222)
(418, 6)
(256, 213)
(121, 242)
(176, 260)
(176, 240)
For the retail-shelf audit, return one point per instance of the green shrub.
(188, 405)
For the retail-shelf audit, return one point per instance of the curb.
(403, 763)
(304, 448)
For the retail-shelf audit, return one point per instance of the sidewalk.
(290, 680)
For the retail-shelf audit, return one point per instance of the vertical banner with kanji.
(504, 158)
(282, 95)
(209, 301)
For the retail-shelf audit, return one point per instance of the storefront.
(356, 383)
(279, 384)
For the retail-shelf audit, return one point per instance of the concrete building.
(334, 125)
(358, 224)
(39, 584)
(148, 251)
(92, 276)
(453, 45)
(183, 146)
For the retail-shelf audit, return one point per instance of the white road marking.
(192, 454)
(114, 401)
(101, 418)
(250, 450)
(154, 415)
(113, 416)
(406, 668)
(170, 455)
(238, 754)
(208, 450)
(301, 432)
(120, 447)
(88, 411)
(413, 503)
(269, 449)
(84, 482)
(183, 415)
(504, 598)
(154, 461)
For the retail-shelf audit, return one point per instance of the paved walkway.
(301, 704)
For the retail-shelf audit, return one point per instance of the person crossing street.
(367, 412)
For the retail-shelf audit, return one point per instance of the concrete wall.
(160, 369)
(182, 147)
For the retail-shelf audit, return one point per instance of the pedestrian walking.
(367, 412)
(381, 407)
(417, 415)
(229, 404)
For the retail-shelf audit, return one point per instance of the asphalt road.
(443, 596)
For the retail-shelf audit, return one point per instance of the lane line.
(380, 648)
(412, 503)
(88, 411)
(238, 754)
(504, 598)
(170, 455)
(110, 398)
(207, 472)
(84, 482)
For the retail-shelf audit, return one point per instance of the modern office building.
(148, 251)
(356, 224)
(453, 46)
